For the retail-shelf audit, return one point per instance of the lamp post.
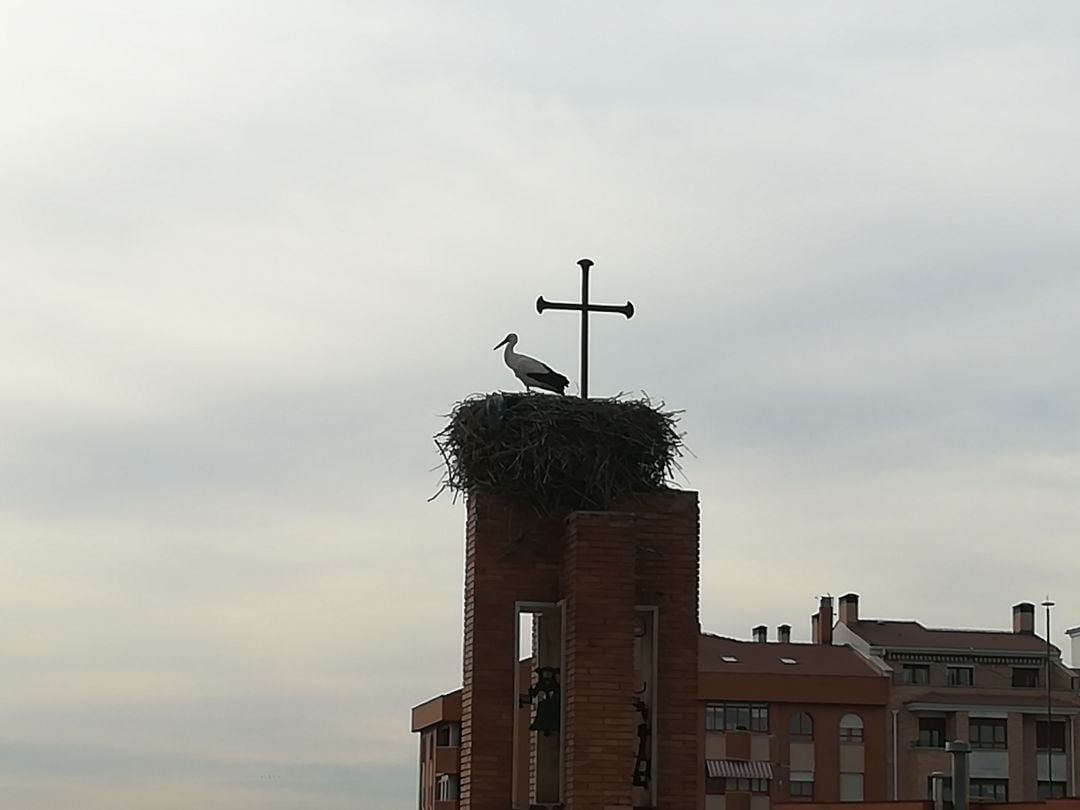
(1049, 709)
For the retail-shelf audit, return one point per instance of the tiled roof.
(766, 657)
(912, 635)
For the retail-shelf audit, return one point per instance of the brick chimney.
(1024, 618)
(761, 634)
(849, 608)
(821, 622)
(783, 634)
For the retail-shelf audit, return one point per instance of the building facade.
(790, 722)
(988, 687)
(438, 722)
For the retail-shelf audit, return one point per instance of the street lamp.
(1049, 709)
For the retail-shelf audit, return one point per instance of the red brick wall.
(598, 675)
(668, 576)
(827, 746)
(602, 563)
(510, 555)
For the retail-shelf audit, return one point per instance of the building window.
(990, 790)
(1055, 741)
(851, 729)
(931, 732)
(715, 785)
(714, 717)
(961, 676)
(851, 787)
(916, 674)
(986, 732)
(448, 735)
(1025, 676)
(1051, 790)
(759, 718)
(801, 786)
(732, 785)
(737, 717)
(801, 726)
(447, 787)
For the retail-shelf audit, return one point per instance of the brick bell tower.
(610, 712)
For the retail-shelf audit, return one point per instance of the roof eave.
(883, 649)
(960, 706)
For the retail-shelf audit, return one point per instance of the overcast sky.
(251, 251)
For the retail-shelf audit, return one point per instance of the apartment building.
(438, 722)
(989, 687)
(790, 722)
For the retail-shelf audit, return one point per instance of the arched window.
(851, 729)
(801, 725)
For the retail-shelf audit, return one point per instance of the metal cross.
(585, 308)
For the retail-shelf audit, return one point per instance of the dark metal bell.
(547, 717)
(641, 773)
(546, 695)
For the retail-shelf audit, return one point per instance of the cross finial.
(585, 308)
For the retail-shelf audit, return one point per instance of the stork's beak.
(504, 341)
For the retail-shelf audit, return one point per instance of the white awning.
(738, 769)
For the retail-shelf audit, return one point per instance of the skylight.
(788, 661)
(729, 659)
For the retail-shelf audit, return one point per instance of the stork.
(530, 371)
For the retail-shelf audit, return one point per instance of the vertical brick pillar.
(668, 576)
(510, 555)
(599, 732)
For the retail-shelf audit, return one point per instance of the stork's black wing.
(549, 380)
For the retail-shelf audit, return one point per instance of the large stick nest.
(561, 453)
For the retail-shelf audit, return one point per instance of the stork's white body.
(531, 372)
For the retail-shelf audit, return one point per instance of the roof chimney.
(821, 622)
(761, 634)
(783, 634)
(849, 608)
(1024, 618)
